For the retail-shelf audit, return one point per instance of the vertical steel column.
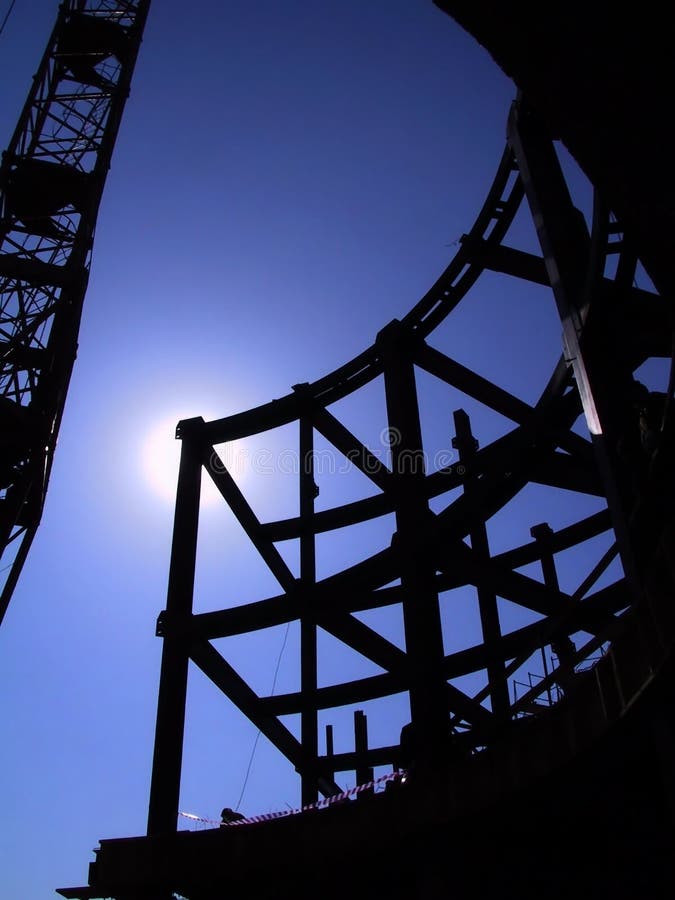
(563, 647)
(308, 652)
(466, 444)
(542, 534)
(414, 545)
(174, 626)
(600, 375)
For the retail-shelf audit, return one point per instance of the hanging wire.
(7, 15)
(257, 737)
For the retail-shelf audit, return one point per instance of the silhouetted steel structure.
(583, 759)
(51, 182)
(601, 83)
(507, 745)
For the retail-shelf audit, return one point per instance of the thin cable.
(7, 15)
(257, 737)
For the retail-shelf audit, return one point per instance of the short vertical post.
(467, 445)
(364, 772)
(563, 647)
(330, 750)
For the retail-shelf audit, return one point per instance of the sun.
(160, 458)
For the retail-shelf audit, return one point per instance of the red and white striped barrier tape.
(320, 804)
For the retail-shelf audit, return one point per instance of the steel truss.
(610, 328)
(51, 182)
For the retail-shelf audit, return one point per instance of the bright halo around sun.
(161, 460)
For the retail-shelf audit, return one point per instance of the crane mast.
(52, 177)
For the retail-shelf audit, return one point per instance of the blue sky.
(288, 178)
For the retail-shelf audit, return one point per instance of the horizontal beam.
(523, 641)
(508, 261)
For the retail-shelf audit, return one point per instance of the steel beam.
(466, 445)
(414, 550)
(309, 725)
(602, 380)
(174, 627)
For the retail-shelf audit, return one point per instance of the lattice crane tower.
(51, 182)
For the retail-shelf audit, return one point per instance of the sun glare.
(161, 459)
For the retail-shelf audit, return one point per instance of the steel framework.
(608, 643)
(610, 328)
(51, 182)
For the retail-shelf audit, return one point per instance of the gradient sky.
(288, 178)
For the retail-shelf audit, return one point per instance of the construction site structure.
(52, 177)
(566, 786)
